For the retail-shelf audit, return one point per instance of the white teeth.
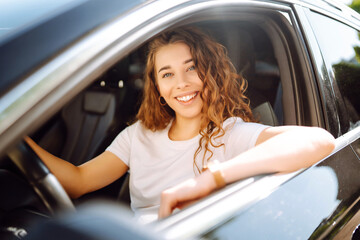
(186, 98)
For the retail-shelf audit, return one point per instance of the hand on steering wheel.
(39, 176)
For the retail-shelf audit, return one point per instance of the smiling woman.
(218, 90)
(203, 116)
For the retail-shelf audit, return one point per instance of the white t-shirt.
(156, 162)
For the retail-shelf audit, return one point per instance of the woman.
(194, 111)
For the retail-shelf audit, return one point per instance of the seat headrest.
(265, 114)
(96, 102)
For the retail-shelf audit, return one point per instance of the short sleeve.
(241, 136)
(121, 146)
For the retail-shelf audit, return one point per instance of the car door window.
(340, 46)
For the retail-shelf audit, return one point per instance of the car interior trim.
(290, 98)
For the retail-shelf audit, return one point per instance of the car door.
(316, 203)
(337, 38)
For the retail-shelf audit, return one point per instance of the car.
(71, 78)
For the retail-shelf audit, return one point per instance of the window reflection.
(340, 46)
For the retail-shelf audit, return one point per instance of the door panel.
(305, 207)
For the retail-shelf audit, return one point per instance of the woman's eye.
(166, 75)
(191, 68)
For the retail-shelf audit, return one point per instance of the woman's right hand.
(186, 193)
(88, 177)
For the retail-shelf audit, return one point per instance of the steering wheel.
(42, 180)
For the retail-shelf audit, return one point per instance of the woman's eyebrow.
(187, 61)
(164, 68)
(168, 67)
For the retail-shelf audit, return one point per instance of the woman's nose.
(181, 81)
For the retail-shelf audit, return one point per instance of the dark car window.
(340, 46)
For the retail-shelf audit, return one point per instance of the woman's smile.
(187, 98)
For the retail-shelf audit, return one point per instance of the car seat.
(89, 123)
(88, 119)
(254, 60)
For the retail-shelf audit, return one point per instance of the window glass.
(340, 46)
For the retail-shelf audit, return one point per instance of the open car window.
(262, 53)
(88, 123)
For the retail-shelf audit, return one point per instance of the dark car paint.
(24, 51)
(303, 208)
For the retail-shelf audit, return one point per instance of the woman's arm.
(88, 177)
(278, 150)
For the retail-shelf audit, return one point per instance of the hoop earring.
(162, 101)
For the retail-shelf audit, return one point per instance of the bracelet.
(218, 175)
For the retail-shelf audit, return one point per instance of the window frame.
(344, 118)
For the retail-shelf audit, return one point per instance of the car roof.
(15, 15)
(30, 45)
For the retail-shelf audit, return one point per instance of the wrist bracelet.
(218, 175)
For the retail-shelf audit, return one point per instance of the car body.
(300, 57)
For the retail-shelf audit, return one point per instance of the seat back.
(265, 114)
(87, 118)
(251, 51)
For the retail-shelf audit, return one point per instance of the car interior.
(89, 122)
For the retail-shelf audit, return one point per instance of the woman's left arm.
(278, 150)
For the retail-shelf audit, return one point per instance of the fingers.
(185, 204)
(186, 193)
(168, 203)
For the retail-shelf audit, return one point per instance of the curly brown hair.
(225, 88)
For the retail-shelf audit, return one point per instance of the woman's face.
(178, 81)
